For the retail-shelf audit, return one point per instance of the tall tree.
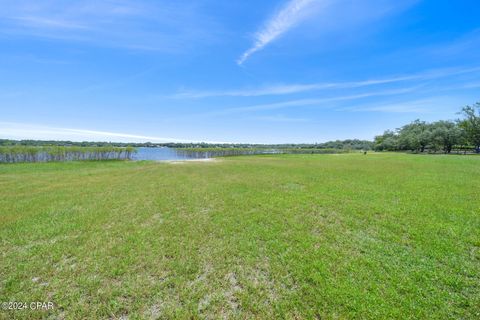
(387, 141)
(414, 136)
(445, 134)
(471, 124)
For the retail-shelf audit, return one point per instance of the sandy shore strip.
(191, 160)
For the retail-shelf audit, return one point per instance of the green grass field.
(381, 236)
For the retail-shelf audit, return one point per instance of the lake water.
(163, 154)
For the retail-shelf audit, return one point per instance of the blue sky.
(233, 71)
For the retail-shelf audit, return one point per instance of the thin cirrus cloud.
(27, 131)
(436, 104)
(290, 15)
(43, 22)
(128, 24)
(330, 15)
(299, 88)
(415, 106)
(281, 118)
(320, 102)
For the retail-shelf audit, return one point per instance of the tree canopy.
(471, 124)
(444, 135)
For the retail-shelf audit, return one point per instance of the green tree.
(415, 136)
(445, 135)
(386, 142)
(471, 124)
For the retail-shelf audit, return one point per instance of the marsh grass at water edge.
(14, 154)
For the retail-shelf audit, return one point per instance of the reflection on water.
(165, 153)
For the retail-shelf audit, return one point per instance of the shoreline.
(190, 160)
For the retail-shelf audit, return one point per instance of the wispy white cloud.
(436, 104)
(285, 89)
(338, 17)
(162, 26)
(281, 118)
(42, 22)
(11, 130)
(416, 106)
(320, 102)
(291, 14)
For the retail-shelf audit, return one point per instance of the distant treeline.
(351, 144)
(225, 152)
(462, 135)
(21, 153)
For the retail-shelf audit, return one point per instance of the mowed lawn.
(376, 236)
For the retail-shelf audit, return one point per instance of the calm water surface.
(163, 154)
